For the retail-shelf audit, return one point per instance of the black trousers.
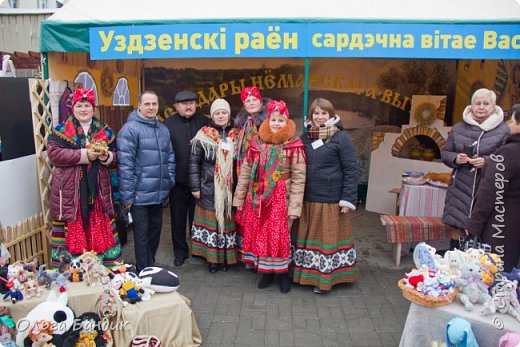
(182, 209)
(147, 233)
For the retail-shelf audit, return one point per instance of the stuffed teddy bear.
(472, 290)
(504, 299)
(491, 264)
(512, 276)
(474, 254)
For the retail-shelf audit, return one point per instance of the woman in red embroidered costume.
(211, 181)
(248, 121)
(270, 194)
(82, 149)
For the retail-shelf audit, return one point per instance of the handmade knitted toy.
(423, 255)
(512, 276)
(32, 288)
(474, 254)
(65, 258)
(455, 259)
(491, 264)
(55, 310)
(509, 340)
(76, 271)
(504, 299)
(40, 334)
(130, 292)
(87, 332)
(472, 290)
(460, 334)
(7, 328)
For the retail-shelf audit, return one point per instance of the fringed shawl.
(211, 142)
(267, 153)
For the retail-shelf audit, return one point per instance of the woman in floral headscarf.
(82, 149)
(270, 193)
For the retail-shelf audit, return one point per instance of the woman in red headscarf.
(248, 121)
(82, 149)
(270, 193)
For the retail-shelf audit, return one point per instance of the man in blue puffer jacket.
(146, 165)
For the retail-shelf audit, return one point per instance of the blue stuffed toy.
(459, 334)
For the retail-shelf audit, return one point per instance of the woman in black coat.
(324, 253)
(496, 212)
(211, 182)
(468, 148)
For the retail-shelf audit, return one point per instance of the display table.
(425, 205)
(425, 325)
(167, 316)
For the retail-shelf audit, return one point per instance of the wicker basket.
(426, 300)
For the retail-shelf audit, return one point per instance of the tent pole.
(305, 92)
(45, 65)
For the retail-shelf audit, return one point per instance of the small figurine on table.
(13, 292)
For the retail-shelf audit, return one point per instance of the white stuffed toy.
(454, 260)
(53, 309)
(474, 254)
(472, 290)
(504, 299)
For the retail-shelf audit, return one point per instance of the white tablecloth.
(425, 325)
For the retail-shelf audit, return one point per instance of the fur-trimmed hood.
(286, 133)
(494, 120)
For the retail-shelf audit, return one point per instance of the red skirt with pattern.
(97, 236)
(267, 235)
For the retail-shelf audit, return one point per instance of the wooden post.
(42, 126)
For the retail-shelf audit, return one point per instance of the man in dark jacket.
(183, 126)
(146, 165)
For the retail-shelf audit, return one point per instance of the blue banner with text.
(314, 40)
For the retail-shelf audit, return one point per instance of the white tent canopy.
(446, 11)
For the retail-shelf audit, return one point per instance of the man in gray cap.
(183, 126)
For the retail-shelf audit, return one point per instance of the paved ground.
(231, 311)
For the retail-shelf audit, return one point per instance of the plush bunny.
(504, 299)
(455, 259)
(472, 290)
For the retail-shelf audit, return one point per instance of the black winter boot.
(285, 283)
(266, 280)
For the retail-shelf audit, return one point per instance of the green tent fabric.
(67, 30)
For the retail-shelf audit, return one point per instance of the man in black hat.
(183, 126)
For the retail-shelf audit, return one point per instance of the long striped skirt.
(209, 243)
(323, 247)
(58, 237)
